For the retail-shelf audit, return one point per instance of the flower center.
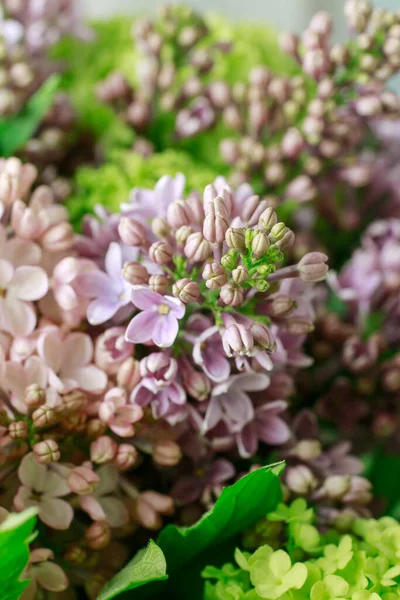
(163, 309)
(2, 292)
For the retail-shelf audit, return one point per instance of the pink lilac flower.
(158, 321)
(111, 292)
(43, 487)
(43, 572)
(112, 349)
(118, 414)
(267, 426)
(158, 386)
(231, 404)
(69, 362)
(103, 505)
(147, 204)
(98, 232)
(208, 351)
(18, 288)
(65, 289)
(10, 30)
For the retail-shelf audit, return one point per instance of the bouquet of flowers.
(199, 307)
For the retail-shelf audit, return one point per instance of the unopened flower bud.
(216, 221)
(230, 260)
(46, 452)
(235, 238)
(278, 231)
(288, 42)
(129, 373)
(336, 486)
(299, 325)
(73, 401)
(240, 274)
(82, 480)
(186, 290)
(34, 396)
(260, 244)
(159, 284)
(98, 535)
(308, 449)
(149, 506)
(231, 295)
(18, 430)
(219, 93)
(292, 143)
(263, 336)
(103, 450)
(131, 232)
(95, 428)
(300, 480)
(75, 555)
(161, 252)
(179, 214)
(127, 457)
(253, 208)
(160, 227)
(312, 267)
(44, 416)
(197, 248)
(368, 106)
(237, 340)
(268, 219)
(166, 453)
(135, 273)
(182, 235)
(197, 385)
(280, 305)
(359, 492)
(215, 275)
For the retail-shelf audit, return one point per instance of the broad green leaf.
(237, 509)
(15, 132)
(148, 565)
(15, 535)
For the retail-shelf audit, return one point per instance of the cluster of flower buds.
(326, 476)
(24, 68)
(46, 22)
(177, 56)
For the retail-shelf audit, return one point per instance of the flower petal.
(51, 350)
(92, 506)
(78, 351)
(19, 318)
(273, 430)
(55, 513)
(29, 283)
(140, 329)
(213, 415)
(166, 330)
(143, 298)
(51, 577)
(113, 260)
(6, 273)
(115, 511)
(95, 284)
(31, 473)
(102, 309)
(89, 378)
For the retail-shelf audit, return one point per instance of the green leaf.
(15, 132)
(148, 565)
(238, 508)
(15, 535)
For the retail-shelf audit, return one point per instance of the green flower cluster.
(111, 183)
(361, 564)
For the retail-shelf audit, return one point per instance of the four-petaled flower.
(158, 321)
(43, 486)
